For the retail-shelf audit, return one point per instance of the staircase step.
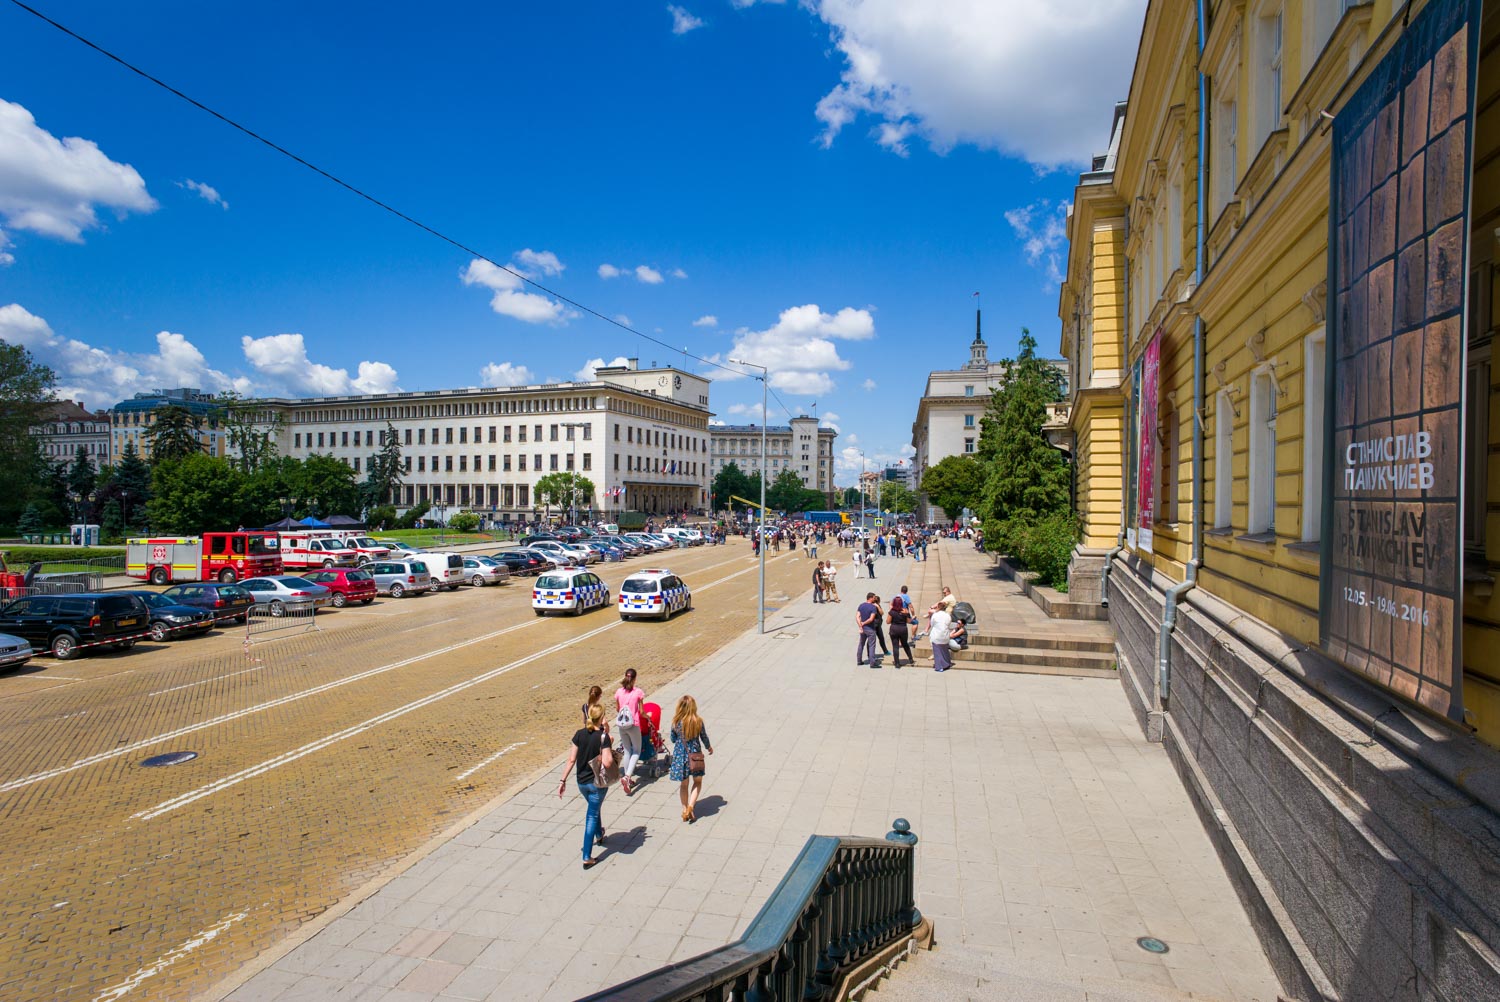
(1027, 669)
(1059, 640)
(1037, 656)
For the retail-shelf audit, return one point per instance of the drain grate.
(170, 758)
(786, 636)
(1151, 944)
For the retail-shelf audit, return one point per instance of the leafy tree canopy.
(955, 483)
(565, 489)
(174, 434)
(729, 482)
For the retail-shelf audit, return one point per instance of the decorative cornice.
(1316, 301)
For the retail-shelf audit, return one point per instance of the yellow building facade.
(1320, 783)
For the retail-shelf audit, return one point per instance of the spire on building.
(979, 354)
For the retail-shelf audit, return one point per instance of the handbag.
(696, 762)
(605, 773)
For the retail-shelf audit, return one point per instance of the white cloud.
(800, 350)
(622, 319)
(682, 21)
(1042, 229)
(54, 187)
(742, 4)
(707, 320)
(751, 411)
(648, 275)
(608, 270)
(1033, 80)
(283, 359)
(716, 423)
(506, 374)
(5, 256)
(830, 420)
(102, 377)
(678, 273)
(509, 300)
(867, 385)
(545, 262)
(586, 373)
(205, 192)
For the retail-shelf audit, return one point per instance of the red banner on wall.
(1150, 418)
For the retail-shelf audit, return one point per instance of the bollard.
(901, 833)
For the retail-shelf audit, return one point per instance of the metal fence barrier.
(843, 901)
(263, 620)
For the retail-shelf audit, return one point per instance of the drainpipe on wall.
(1190, 580)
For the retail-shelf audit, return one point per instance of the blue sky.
(820, 185)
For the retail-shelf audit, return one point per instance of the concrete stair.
(962, 973)
(1062, 653)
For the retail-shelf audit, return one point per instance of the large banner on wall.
(1149, 419)
(1391, 599)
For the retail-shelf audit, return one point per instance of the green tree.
(955, 483)
(851, 497)
(729, 482)
(785, 492)
(31, 520)
(560, 488)
(196, 494)
(174, 434)
(251, 429)
(130, 484)
(1026, 480)
(464, 521)
(384, 476)
(896, 497)
(324, 485)
(25, 391)
(82, 479)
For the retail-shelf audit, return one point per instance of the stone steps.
(1056, 641)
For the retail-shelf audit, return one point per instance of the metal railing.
(843, 900)
(261, 620)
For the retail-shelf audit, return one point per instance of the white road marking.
(492, 758)
(286, 758)
(166, 960)
(426, 626)
(205, 681)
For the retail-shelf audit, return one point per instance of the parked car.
(170, 619)
(399, 577)
(399, 548)
(367, 548)
(540, 537)
(481, 571)
(347, 586)
(566, 554)
(632, 547)
(14, 651)
(68, 624)
(644, 541)
(224, 601)
(600, 549)
(445, 569)
(284, 594)
(522, 561)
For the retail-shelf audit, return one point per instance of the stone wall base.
(1084, 569)
(1362, 836)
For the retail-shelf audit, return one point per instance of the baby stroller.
(964, 613)
(656, 757)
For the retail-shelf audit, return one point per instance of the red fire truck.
(226, 556)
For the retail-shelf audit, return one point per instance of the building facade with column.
(68, 427)
(949, 415)
(801, 446)
(131, 420)
(1295, 399)
(639, 435)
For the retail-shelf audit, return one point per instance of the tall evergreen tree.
(383, 479)
(251, 430)
(25, 391)
(1026, 478)
(174, 434)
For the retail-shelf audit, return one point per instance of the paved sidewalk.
(1052, 835)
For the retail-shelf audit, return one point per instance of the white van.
(447, 569)
(305, 550)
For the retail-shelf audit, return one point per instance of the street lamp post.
(764, 373)
(572, 427)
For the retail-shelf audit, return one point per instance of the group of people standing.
(872, 619)
(597, 763)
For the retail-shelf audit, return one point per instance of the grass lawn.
(426, 538)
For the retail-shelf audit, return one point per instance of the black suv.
(63, 624)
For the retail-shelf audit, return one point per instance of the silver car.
(481, 571)
(14, 651)
(399, 577)
(287, 594)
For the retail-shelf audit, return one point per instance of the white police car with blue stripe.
(657, 593)
(568, 589)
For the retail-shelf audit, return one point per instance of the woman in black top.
(899, 618)
(588, 744)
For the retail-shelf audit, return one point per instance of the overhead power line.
(361, 193)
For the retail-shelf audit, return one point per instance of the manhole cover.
(170, 758)
(1151, 944)
(786, 636)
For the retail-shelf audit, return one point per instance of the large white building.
(640, 435)
(68, 427)
(801, 446)
(950, 411)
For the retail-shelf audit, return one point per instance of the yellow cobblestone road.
(323, 758)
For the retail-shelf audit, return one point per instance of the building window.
(1226, 152)
(617, 462)
(521, 433)
(408, 436)
(1315, 351)
(1262, 484)
(1223, 460)
(492, 434)
(406, 464)
(968, 420)
(447, 436)
(505, 464)
(448, 464)
(320, 440)
(505, 433)
(297, 441)
(537, 461)
(968, 391)
(588, 433)
(421, 464)
(1319, 18)
(569, 464)
(968, 445)
(1171, 447)
(521, 461)
(1479, 395)
(1267, 79)
(588, 460)
(463, 436)
(421, 436)
(356, 464)
(491, 463)
(522, 490)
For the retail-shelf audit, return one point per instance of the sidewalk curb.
(268, 957)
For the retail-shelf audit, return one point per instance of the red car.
(347, 584)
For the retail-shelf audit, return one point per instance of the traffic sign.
(879, 522)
